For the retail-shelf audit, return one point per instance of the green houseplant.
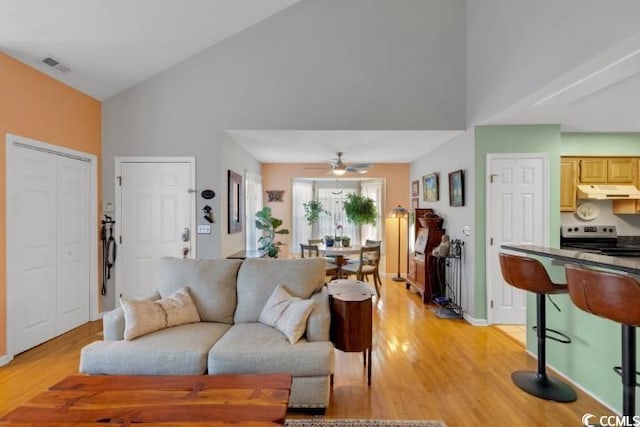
(360, 209)
(312, 211)
(269, 227)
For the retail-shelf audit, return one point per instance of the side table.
(351, 318)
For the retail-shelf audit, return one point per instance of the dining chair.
(316, 241)
(311, 251)
(367, 265)
(372, 242)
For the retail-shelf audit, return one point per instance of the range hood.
(608, 192)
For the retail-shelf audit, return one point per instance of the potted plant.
(360, 209)
(328, 241)
(312, 211)
(346, 241)
(269, 227)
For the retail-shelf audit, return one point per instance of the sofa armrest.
(319, 320)
(113, 325)
(113, 322)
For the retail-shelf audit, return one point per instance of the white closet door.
(33, 307)
(72, 244)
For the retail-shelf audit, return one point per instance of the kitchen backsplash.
(627, 225)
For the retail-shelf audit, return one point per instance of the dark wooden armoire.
(426, 272)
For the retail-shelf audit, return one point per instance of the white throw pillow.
(142, 317)
(286, 313)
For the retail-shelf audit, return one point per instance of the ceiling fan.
(338, 167)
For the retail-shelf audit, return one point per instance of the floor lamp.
(398, 212)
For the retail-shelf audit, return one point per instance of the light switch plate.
(466, 230)
(204, 229)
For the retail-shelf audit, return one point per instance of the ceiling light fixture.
(584, 79)
(339, 171)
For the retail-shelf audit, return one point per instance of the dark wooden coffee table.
(212, 400)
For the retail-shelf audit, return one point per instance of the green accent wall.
(510, 139)
(597, 144)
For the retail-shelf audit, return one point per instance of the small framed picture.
(430, 187)
(456, 188)
(414, 203)
(415, 188)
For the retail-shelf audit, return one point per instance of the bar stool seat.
(615, 297)
(530, 275)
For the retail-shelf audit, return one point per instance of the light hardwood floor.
(423, 368)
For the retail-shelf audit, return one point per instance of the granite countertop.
(627, 265)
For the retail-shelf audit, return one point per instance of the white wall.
(515, 47)
(457, 154)
(320, 64)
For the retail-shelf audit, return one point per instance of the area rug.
(326, 422)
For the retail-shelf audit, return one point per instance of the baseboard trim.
(5, 359)
(577, 385)
(475, 322)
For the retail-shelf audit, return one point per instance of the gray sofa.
(229, 296)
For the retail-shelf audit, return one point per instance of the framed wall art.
(274, 195)
(236, 203)
(414, 203)
(430, 187)
(415, 188)
(456, 188)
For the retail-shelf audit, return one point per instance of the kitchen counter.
(626, 265)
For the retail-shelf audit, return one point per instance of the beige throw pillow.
(142, 317)
(286, 313)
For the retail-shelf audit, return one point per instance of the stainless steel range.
(600, 239)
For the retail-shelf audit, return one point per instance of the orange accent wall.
(279, 176)
(36, 106)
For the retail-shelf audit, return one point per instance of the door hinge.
(120, 239)
(119, 180)
(490, 241)
(492, 176)
(491, 304)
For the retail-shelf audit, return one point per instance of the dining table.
(341, 255)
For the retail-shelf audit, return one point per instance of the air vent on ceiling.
(55, 64)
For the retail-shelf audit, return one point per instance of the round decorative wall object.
(587, 211)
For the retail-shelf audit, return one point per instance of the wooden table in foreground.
(193, 400)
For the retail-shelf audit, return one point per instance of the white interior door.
(155, 213)
(72, 241)
(517, 213)
(32, 310)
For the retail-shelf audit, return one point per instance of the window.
(332, 193)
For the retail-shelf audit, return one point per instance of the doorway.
(51, 241)
(155, 217)
(517, 213)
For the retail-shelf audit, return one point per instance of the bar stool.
(615, 297)
(530, 275)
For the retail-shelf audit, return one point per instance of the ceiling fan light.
(339, 171)
(362, 171)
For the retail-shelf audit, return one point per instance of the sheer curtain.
(301, 231)
(374, 189)
(253, 191)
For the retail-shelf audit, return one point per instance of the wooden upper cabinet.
(593, 170)
(621, 170)
(568, 184)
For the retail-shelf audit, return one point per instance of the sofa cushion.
(286, 313)
(145, 316)
(181, 350)
(251, 348)
(319, 321)
(258, 277)
(211, 283)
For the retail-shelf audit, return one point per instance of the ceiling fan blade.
(361, 166)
